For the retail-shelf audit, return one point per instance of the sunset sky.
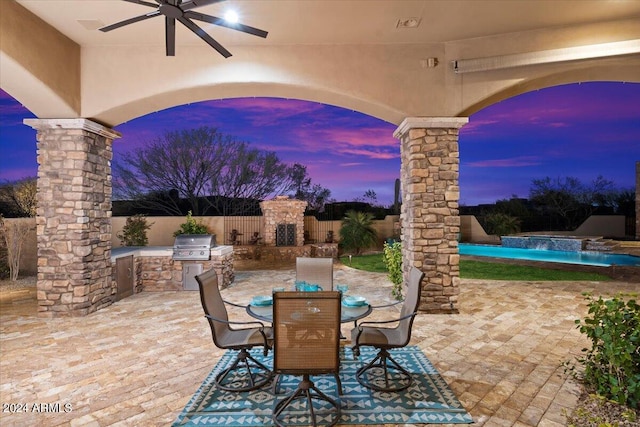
(579, 130)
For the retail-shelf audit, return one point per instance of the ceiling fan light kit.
(181, 11)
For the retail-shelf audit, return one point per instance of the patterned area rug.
(427, 401)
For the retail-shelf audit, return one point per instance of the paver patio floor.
(137, 362)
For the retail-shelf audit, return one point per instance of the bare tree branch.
(200, 170)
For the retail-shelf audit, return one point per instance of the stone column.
(73, 216)
(429, 216)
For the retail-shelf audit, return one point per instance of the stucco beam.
(40, 67)
(385, 81)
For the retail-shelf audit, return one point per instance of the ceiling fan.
(181, 10)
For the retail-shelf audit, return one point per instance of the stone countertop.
(161, 251)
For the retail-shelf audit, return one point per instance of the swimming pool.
(583, 258)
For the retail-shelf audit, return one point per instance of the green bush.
(392, 258)
(191, 226)
(134, 232)
(612, 364)
(501, 224)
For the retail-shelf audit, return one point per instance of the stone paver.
(137, 362)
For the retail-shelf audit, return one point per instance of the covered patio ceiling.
(389, 59)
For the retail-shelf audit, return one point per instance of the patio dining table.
(348, 313)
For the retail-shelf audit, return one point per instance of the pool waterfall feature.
(545, 242)
(555, 249)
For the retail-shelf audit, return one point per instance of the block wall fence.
(162, 228)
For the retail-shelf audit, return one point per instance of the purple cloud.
(505, 163)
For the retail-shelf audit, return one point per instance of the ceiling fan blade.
(130, 21)
(224, 23)
(204, 36)
(190, 4)
(170, 36)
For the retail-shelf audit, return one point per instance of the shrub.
(392, 258)
(191, 226)
(134, 232)
(612, 364)
(501, 224)
(357, 232)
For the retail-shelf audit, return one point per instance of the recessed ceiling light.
(408, 23)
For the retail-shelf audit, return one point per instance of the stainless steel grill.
(189, 247)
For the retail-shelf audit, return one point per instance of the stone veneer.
(73, 216)
(282, 210)
(278, 254)
(161, 273)
(430, 216)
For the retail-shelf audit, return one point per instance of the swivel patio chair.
(318, 271)
(383, 372)
(295, 353)
(246, 372)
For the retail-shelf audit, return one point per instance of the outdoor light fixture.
(628, 47)
(231, 16)
(429, 62)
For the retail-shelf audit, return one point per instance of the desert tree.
(569, 199)
(13, 235)
(178, 165)
(315, 195)
(19, 197)
(199, 170)
(248, 175)
(371, 197)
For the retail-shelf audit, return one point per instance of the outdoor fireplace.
(283, 221)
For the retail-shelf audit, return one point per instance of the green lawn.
(485, 270)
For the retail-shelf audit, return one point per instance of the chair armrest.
(260, 327)
(360, 327)
(229, 322)
(388, 305)
(234, 304)
(382, 322)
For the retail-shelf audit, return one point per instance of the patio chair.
(378, 373)
(318, 271)
(306, 342)
(245, 373)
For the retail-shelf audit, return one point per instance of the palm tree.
(357, 231)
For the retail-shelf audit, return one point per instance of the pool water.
(583, 258)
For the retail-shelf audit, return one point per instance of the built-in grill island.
(193, 247)
(173, 268)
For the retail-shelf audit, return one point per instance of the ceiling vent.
(408, 23)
